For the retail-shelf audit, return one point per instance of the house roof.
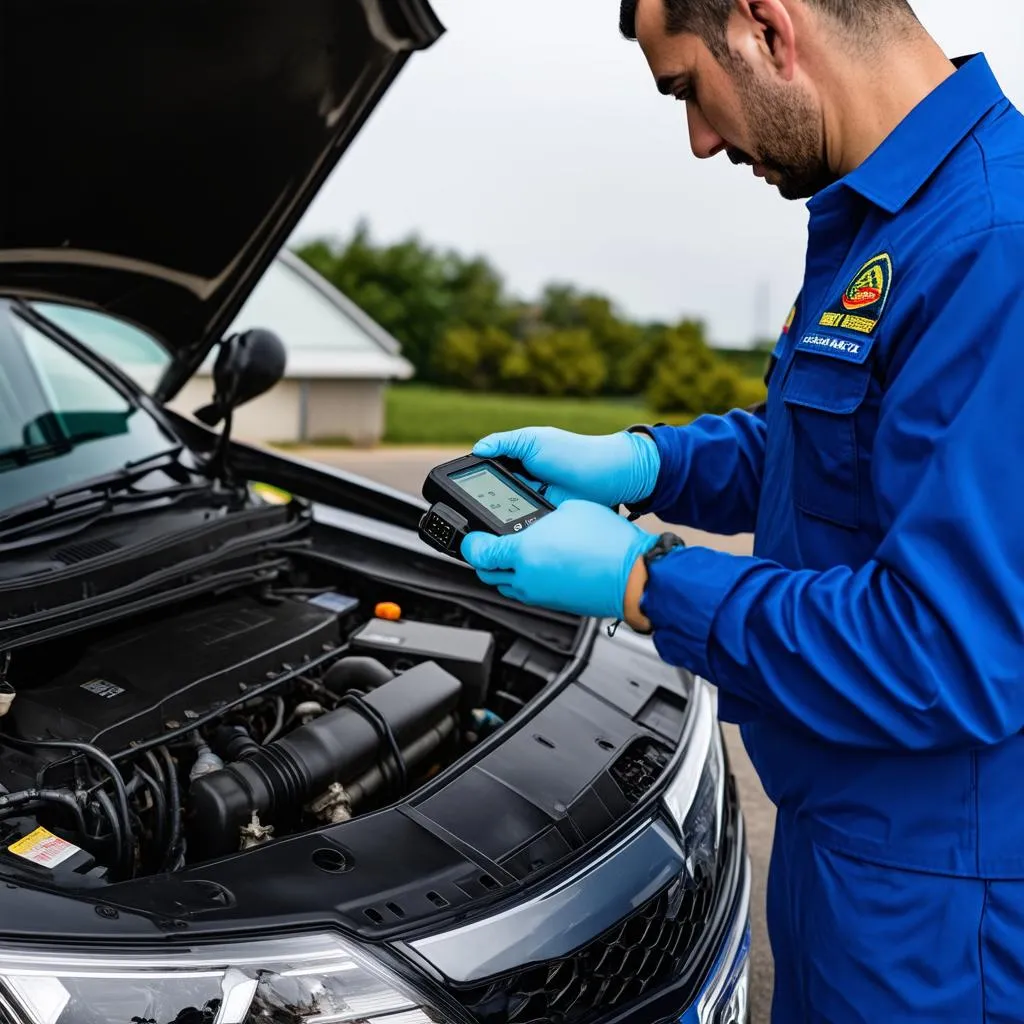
(327, 336)
(325, 333)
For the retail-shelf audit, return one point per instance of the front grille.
(640, 953)
(634, 958)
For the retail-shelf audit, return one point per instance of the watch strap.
(664, 545)
(643, 507)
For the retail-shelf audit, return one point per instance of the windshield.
(61, 423)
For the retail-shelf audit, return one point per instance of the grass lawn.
(418, 414)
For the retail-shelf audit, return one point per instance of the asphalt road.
(404, 469)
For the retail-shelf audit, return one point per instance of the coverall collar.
(897, 170)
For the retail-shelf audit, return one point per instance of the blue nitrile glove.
(610, 469)
(576, 559)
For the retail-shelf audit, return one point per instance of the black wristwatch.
(665, 544)
(641, 508)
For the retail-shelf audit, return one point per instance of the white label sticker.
(42, 847)
(103, 689)
(380, 638)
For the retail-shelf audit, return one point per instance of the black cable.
(159, 810)
(121, 841)
(87, 750)
(384, 731)
(54, 765)
(15, 801)
(158, 769)
(163, 782)
(170, 855)
(418, 750)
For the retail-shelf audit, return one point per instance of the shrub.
(557, 364)
(472, 359)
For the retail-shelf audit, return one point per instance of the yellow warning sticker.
(44, 848)
(272, 495)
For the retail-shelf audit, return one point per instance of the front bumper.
(724, 998)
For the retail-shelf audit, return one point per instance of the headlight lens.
(695, 798)
(315, 979)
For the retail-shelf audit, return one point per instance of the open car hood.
(158, 154)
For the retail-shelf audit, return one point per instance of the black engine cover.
(129, 686)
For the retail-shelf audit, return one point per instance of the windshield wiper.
(98, 496)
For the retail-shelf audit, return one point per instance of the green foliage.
(565, 308)
(657, 344)
(459, 327)
(556, 363)
(685, 376)
(415, 292)
(751, 392)
(472, 359)
(748, 362)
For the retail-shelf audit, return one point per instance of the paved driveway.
(404, 469)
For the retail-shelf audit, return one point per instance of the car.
(264, 754)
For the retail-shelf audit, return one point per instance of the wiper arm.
(67, 523)
(94, 495)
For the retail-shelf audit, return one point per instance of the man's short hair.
(707, 18)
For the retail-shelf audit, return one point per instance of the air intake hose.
(341, 746)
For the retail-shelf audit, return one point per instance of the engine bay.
(182, 735)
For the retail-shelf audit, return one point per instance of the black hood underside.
(160, 152)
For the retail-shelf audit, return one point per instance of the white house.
(339, 360)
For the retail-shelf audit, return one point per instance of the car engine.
(183, 735)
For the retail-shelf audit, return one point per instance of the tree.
(459, 327)
(556, 363)
(685, 376)
(657, 343)
(472, 359)
(412, 290)
(563, 307)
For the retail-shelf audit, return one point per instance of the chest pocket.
(822, 395)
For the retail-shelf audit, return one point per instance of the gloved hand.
(576, 559)
(609, 469)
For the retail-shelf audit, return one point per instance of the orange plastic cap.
(388, 610)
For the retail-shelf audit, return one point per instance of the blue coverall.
(872, 650)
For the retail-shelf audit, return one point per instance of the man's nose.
(704, 140)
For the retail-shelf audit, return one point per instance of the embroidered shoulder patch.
(861, 305)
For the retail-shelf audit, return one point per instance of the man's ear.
(765, 26)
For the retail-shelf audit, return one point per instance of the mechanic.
(872, 649)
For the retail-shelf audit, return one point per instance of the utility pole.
(762, 311)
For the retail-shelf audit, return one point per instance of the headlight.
(315, 979)
(695, 798)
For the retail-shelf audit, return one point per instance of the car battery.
(468, 654)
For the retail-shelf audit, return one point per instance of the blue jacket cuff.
(674, 455)
(685, 592)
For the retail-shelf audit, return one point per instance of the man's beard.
(784, 129)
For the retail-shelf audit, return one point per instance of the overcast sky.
(532, 134)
